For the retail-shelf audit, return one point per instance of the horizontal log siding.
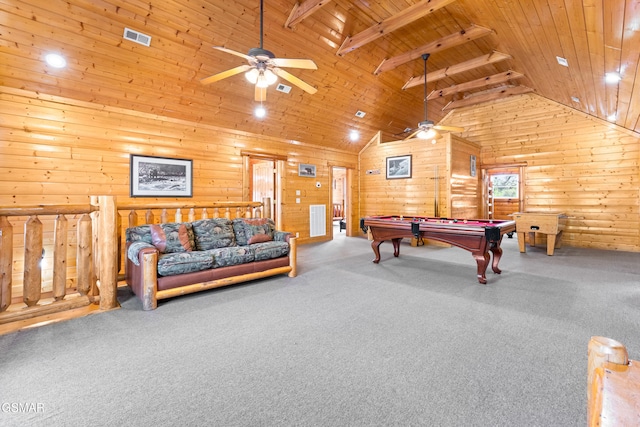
(466, 195)
(576, 164)
(410, 196)
(55, 150)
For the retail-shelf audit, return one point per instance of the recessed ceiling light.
(612, 117)
(575, 99)
(562, 61)
(56, 60)
(259, 112)
(360, 114)
(612, 78)
(354, 135)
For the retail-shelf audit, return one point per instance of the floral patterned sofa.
(171, 259)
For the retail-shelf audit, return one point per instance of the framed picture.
(160, 177)
(399, 167)
(307, 170)
(472, 166)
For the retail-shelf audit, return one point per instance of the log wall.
(412, 196)
(576, 164)
(56, 150)
(440, 184)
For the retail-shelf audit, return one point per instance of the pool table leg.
(497, 254)
(396, 247)
(375, 245)
(482, 259)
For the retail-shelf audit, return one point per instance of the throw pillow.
(172, 237)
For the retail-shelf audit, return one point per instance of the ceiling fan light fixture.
(270, 77)
(427, 134)
(252, 75)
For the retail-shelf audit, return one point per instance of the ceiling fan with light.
(426, 129)
(264, 68)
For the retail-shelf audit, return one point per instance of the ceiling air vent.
(283, 88)
(136, 36)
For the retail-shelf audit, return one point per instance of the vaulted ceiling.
(368, 55)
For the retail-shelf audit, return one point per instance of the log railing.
(87, 264)
(613, 384)
(95, 269)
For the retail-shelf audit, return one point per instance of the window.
(505, 186)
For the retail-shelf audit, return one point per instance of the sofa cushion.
(141, 233)
(184, 262)
(213, 233)
(172, 237)
(253, 230)
(270, 250)
(233, 255)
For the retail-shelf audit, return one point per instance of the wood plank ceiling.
(368, 55)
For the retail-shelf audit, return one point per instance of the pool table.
(478, 236)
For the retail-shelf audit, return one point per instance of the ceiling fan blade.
(225, 74)
(233, 52)
(306, 64)
(449, 128)
(296, 81)
(261, 94)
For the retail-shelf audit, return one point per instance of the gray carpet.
(414, 340)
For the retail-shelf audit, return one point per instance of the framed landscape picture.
(307, 170)
(399, 167)
(160, 177)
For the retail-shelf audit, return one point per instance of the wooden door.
(503, 191)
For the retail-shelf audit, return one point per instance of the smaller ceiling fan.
(263, 68)
(426, 129)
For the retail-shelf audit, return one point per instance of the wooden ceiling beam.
(446, 42)
(495, 79)
(304, 10)
(392, 23)
(491, 95)
(471, 64)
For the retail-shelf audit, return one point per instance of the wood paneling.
(164, 78)
(576, 164)
(56, 150)
(440, 185)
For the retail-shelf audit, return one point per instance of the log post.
(6, 262)
(150, 284)
(600, 351)
(216, 212)
(164, 216)
(266, 207)
(205, 214)
(61, 226)
(227, 213)
(84, 257)
(148, 217)
(133, 218)
(293, 256)
(108, 252)
(95, 254)
(32, 282)
(192, 215)
(178, 215)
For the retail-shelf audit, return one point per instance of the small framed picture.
(307, 170)
(399, 167)
(160, 177)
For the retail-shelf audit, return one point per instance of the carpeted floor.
(414, 340)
